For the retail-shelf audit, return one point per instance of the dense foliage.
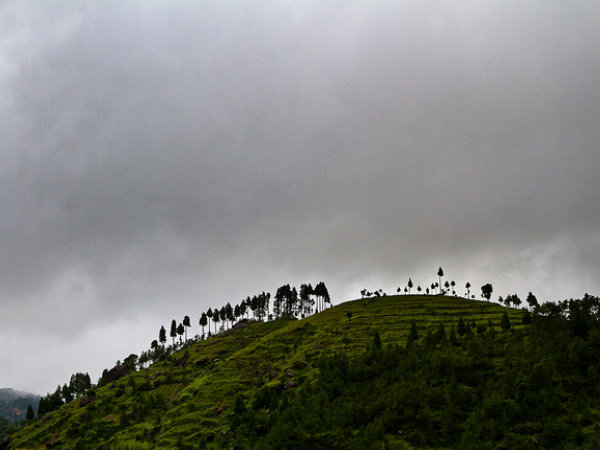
(388, 372)
(534, 388)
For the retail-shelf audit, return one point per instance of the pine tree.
(414, 333)
(505, 323)
(173, 332)
(203, 321)
(180, 331)
(162, 336)
(186, 324)
(209, 314)
(30, 415)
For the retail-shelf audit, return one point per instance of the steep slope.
(189, 399)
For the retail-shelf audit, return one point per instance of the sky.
(159, 158)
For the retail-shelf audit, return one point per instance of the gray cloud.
(157, 159)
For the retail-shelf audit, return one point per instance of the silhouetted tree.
(486, 291)
(173, 332)
(223, 316)
(203, 322)
(209, 314)
(229, 313)
(440, 274)
(468, 287)
(216, 318)
(453, 284)
(410, 285)
(532, 301)
(162, 336)
(186, 324)
(180, 331)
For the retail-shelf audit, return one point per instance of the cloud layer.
(158, 159)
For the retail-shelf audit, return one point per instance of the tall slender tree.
(173, 332)
(203, 321)
(410, 285)
(162, 336)
(186, 324)
(440, 274)
(216, 318)
(180, 331)
(209, 314)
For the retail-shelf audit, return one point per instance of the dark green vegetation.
(13, 404)
(391, 372)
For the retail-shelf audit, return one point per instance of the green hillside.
(272, 384)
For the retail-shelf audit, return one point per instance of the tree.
(67, 394)
(414, 333)
(29, 415)
(441, 333)
(229, 313)
(453, 284)
(532, 301)
(486, 291)
(79, 384)
(216, 318)
(410, 285)
(440, 274)
(186, 324)
(162, 336)
(203, 321)
(461, 328)
(447, 286)
(209, 314)
(377, 341)
(468, 287)
(173, 332)
(306, 302)
(180, 331)
(223, 316)
(131, 362)
(505, 323)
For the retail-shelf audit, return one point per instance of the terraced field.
(190, 396)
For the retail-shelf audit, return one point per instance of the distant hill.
(13, 404)
(388, 372)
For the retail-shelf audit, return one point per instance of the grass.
(182, 402)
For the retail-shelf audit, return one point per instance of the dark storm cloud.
(160, 157)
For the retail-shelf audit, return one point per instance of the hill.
(13, 404)
(351, 376)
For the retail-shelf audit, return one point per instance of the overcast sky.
(158, 158)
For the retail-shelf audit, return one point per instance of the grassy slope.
(181, 399)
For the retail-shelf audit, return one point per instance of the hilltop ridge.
(397, 371)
